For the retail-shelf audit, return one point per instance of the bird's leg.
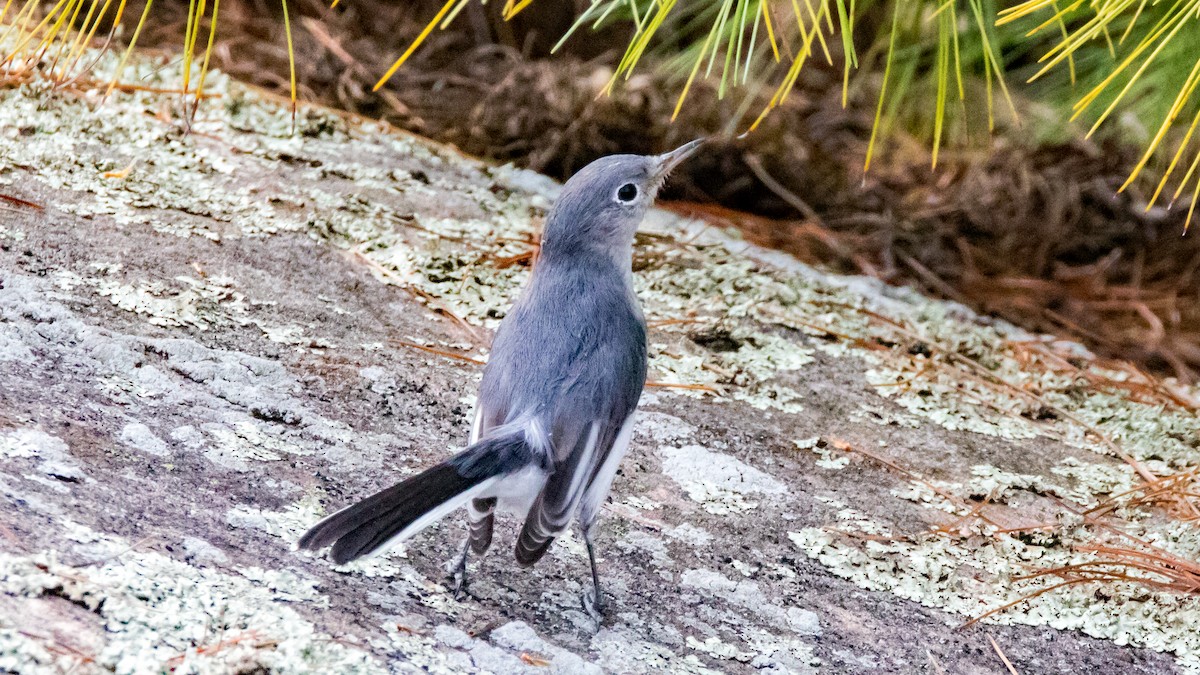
(593, 602)
(458, 570)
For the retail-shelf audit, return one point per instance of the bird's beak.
(669, 160)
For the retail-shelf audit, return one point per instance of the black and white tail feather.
(390, 516)
(556, 404)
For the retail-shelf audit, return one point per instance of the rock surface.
(209, 339)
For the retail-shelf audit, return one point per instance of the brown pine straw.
(438, 352)
(985, 376)
(424, 297)
(1147, 389)
(1175, 574)
(1181, 575)
(1140, 563)
(1175, 493)
(1000, 652)
(17, 201)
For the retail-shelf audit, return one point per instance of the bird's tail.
(400, 511)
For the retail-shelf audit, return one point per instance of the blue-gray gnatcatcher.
(555, 409)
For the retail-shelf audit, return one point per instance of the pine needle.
(129, 49)
(766, 12)
(287, 29)
(887, 71)
(412, 47)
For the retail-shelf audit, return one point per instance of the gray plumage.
(555, 409)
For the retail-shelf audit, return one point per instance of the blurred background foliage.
(1018, 158)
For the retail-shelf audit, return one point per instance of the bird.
(554, 414)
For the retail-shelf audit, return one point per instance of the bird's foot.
(460, 584)
(457, 569)
(593, 604)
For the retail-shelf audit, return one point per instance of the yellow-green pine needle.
(287, 30)
(190, 29)
(958, 71)
(1179, 21)
(743, 10)
(415, 43)
(942, 69)
(453, 14)
(730, 50)
(1169, 121)
(82, 45)
(1132, 22)
(816, 26)
(1062, 27)
(1056, 17)
(766, 12)
(1195, 193)
(1112, 48)
(846, 20)
(4, 12)
(18, 25)
(116, 22)
(208, 48)
(1195, 161)
(793, 71)
(637, 18)
(583, 17)
(20, 19)
(1174, 161)
(517, 9)
(86, 29)
(992, 63)
(847, 38)
(1022, 10)
(789, 80)
(753, 41)
(1192, 208)
(887, 71)
(49, 37)
(129, 49)
(1090, 30)
(63, 29)
(708, 41)
(612, 5)
(725, 7)
(636, 50)
(27, 36)
(57, 29)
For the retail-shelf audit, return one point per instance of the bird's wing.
(602, 476)
(554, 507)
(591, 421)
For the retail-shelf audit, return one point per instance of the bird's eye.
(627, 192)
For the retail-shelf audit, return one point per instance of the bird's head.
(601, 206)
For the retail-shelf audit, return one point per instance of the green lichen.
(1092, 481)
(721, 483)
(826, 460)
(159, 614)
(289, 524)
(198, 304)
(10, 234)
(971, 577)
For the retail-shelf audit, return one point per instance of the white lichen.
(721, 483)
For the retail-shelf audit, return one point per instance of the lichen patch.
(722, 483)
